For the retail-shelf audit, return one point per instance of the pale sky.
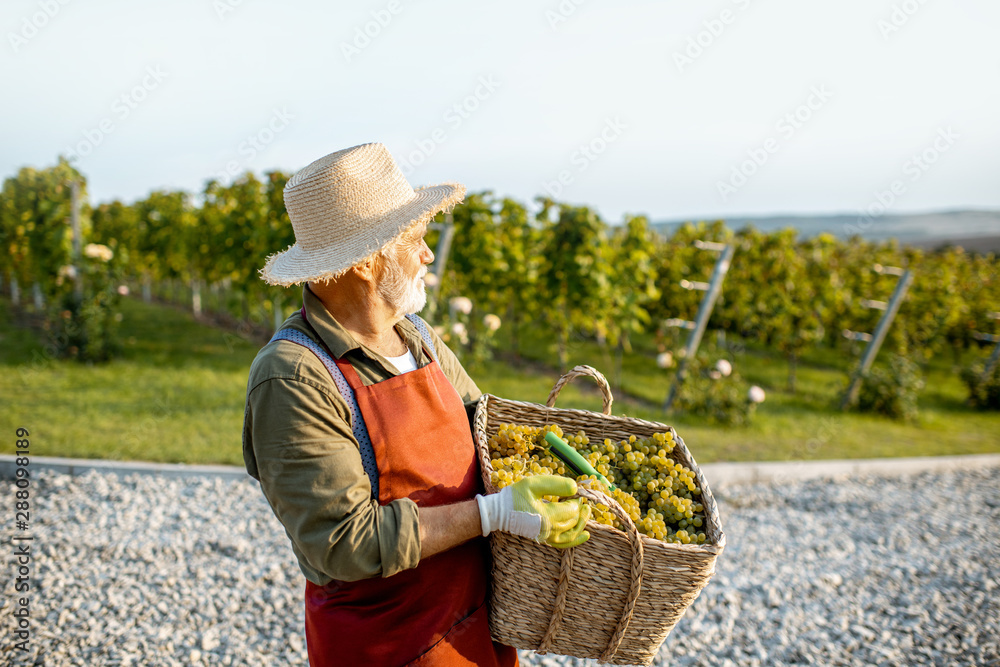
(834, 101)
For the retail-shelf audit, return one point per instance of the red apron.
(436, 613)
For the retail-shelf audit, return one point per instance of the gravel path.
(144, 570)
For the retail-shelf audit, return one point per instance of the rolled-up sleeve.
(311, 473)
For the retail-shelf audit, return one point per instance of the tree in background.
(35, 210)
(824, 271)
(677, 259)
(475, 263)
(574, 275)
(77, 281)
(274, 235)
(982, 292)
(952, 297)
(632, 273)
(232, 217)
(784, 311)
(517, 279)
(116, 225)
(165, 220)
(935, 305)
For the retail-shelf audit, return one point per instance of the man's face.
(401, 282)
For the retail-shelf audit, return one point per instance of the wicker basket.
(616, 596)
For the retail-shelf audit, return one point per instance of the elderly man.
(357, 427)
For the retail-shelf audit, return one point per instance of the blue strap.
(358, 426)
(424, 333)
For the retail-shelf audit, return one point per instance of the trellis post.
(74, 221)
(712, 290)
(447, 229)
(875, 340)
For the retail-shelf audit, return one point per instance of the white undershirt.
(404, 363)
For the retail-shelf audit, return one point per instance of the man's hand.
(520, 509)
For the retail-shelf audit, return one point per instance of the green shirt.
(297, 442)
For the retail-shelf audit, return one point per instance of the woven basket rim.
(616, 418)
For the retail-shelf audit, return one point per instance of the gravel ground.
(146, 570)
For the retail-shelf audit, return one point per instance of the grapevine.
(660, 495)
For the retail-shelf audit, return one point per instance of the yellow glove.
(520, 509)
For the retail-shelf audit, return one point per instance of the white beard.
(416, 296)
(406, 298)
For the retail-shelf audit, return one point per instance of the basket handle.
(566, 566)
(577, 371)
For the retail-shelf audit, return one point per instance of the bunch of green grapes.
(517, 451)
(660, 495)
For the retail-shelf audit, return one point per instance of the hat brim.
(295, 265)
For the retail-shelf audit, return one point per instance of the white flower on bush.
(714, 374)
(67, 271)
(665, 360)
(461, 304)
(459, 333)
(98, 251)
(492, 322)
(430, 279)
(755, 394)
(123, 290)
(724, 367)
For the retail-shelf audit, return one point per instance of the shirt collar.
(338, 339)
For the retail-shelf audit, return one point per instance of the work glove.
(520, 509)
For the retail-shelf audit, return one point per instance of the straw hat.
(347, 206)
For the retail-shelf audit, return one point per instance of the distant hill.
(973, 229)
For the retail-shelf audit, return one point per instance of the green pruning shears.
(572, 458)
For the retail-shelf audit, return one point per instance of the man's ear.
(366, 270)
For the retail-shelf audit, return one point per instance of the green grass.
(177, 395)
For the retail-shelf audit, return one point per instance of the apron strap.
(348, 370)
(425, 333)
(358, 426)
